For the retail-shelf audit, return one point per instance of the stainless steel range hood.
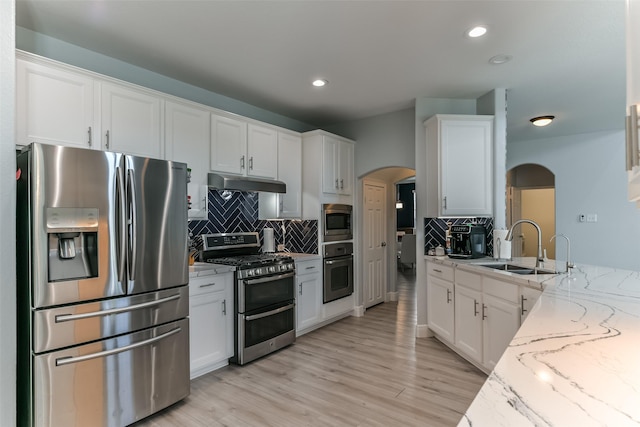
(243, 183)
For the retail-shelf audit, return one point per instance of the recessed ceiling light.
(542, 120)
(477, 31)
(500, 59)
(319, 82)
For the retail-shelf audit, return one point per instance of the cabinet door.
(209, 343)
(468, 322)
(330, 182)
(345, 159)
(187, 140)
(262, 152)
(54, 106)
(466, 184)
(131, 121)
(528, 298)
(308, 302)
(228, 145)
(440, 307)
(290, 172)
(501, 322)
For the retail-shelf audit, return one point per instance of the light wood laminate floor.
(366, 371)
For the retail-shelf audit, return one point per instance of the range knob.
(272, 269)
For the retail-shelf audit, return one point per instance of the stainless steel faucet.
(539, 259)
(569, 263)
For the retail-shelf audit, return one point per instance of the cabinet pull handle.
(281, 203)
(300, 286)
(444, 203)
(310, 268)
(107, 135)
(242, 162)
(207, 285)
(437, 271)
(475, 308)
(336, 183)
(484, 308)
(89, 136)
(448, 296)
(522, 309)
(342, 184)
(224, 307)
(251, 163)
(634, 135)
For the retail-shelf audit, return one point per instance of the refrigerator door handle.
(121, 228)
(69, 317)
(68, 360)
(132, 224)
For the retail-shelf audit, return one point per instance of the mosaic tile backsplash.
(237, 211)
(435, 228)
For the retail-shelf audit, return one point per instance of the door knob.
(383, 244)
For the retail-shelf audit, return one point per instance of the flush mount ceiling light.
(542, 120)
(477, 31)
(319, 82)
(500, 59)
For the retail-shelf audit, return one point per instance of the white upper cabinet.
(459, 165)
(131, 121)
(187, 140)
(241, 148)
(337, 161)
(54, 106)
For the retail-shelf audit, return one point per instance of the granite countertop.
(575, 361)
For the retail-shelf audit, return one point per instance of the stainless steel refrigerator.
(103, 332)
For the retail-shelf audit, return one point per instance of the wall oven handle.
(269, 278)
(69, 317)
(338, 260)
(68, 360)
(269, 313)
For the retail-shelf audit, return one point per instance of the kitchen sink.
(516, 269)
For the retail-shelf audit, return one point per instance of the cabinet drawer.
(442, 271)
(470, 280)
(498, 288)
(308, 267)
(212, 283)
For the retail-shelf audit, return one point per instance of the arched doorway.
(531, 195)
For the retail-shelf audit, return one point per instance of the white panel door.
(54, 106)
(131, 121)
(262, 152)
(187, 140)
(228, 145)
(375, 274)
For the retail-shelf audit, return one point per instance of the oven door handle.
(332, 261)
(269, 278)
(269, 313)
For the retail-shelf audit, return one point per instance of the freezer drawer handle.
(69, 317)
(269, 313)
(68, 360)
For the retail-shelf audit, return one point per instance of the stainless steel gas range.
(264, 293)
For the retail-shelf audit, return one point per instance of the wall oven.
(336, 222)
(338, 271)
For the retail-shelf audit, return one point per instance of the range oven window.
(266, 291)
(265, 328)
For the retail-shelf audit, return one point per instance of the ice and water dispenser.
(73, 243)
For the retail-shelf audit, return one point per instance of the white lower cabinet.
(502, 320)
(308, 295)
(528, 298)
(211, 322)
(468, 321)
(440, 301)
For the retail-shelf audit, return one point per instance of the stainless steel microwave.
(337, 222)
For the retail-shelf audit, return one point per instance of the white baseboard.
(392, 296)
(422, 331)
(358, 311)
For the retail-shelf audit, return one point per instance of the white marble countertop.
(206, 269)
(302, 257)
(575, 361)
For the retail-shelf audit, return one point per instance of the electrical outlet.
(280, 247)
(592, 217)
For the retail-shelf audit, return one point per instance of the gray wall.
(7, 215)
(381, 141)
(590, 177)
(58, 50)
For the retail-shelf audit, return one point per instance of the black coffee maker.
(468, 241)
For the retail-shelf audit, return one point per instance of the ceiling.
(378, 56)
